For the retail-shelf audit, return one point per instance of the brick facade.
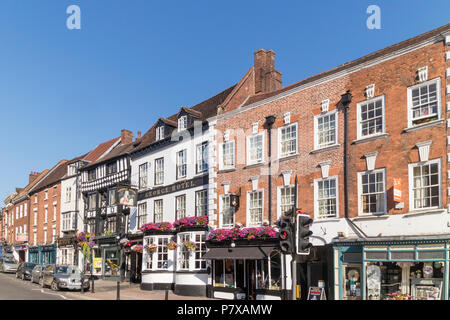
(392, 74)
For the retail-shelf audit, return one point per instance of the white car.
(8, 265)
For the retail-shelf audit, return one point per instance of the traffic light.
(286, 235)
(303, 233)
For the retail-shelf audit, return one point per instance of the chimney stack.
(33, 175)
(139, 134)
(267, 79)
(126, 136)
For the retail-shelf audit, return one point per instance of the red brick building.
(353, 136)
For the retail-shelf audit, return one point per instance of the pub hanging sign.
(126, 196)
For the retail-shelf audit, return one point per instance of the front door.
(251, 279)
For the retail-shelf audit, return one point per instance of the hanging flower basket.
(137, 248)
(86, 242)
(125, 242)
(151, 247)
(190, 246)
(172, 245)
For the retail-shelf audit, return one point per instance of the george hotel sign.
(179, 186)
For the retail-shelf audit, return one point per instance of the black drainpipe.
(346, 98)
(270, 120)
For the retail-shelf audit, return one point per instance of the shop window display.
(404, 280)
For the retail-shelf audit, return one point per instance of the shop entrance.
(251, 279)
(135, 267)
(21, 256)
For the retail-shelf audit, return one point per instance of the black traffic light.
(303, 233)
(286, 235)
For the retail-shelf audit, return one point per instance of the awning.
(238, 253)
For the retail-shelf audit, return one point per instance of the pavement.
(12, 288)
(107, 290)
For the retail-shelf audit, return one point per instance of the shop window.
(162, 253)
(240, 274)
(229, 273)
(352, 282)
(201, 250)
(218, 273)
(183, 253)
(275, 270)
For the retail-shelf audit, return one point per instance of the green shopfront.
(394, 268)
(45, 254)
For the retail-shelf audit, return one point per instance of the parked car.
(24, 270)
(36, 273)
(8, 265)
(63, 277)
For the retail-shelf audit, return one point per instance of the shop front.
(405, 268)
(20, 252)
(34, 253)
(68, 251)
(247, 270)
(48, 254)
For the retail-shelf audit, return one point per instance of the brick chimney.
(126, 136)
(33, 175)
(267, 79)
(139, 134)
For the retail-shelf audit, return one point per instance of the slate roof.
(203, 111)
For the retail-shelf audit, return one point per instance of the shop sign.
(316, 293)
(22, 237)
(179, 186)
(397, 190)
(126, 196)
(97, 263)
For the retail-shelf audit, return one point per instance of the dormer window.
(72, 169)
(182, 123)
(159, 133)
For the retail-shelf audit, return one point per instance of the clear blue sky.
(64, 91)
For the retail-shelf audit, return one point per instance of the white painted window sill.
(426, 211)
(370, 216)
(424, 125)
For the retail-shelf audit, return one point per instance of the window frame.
(411, 167)
(204, 163)
(161, 172)
(248, 150)
(410, 106)
(248, 220)
(316, 198)
(279, 212)
(154, 210)
(221, 155)
(280, 129)
(191, 254)
(182, 164)
(316, 129)
(141, 219)
(360, 203)
(359, 135)
(141, 176)
(176, 206)
(205, 213)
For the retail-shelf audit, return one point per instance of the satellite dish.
(353, 275)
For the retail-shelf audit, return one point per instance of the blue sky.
(64, 91)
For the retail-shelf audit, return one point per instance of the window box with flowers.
(157, 228)
(191, 224)
(244, 235)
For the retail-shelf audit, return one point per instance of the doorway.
(135, 267)
(251, 279)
